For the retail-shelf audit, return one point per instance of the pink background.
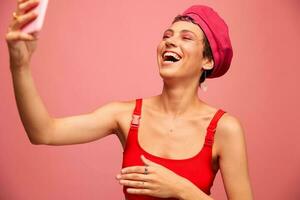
(93, 52)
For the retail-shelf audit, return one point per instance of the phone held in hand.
(36, 25)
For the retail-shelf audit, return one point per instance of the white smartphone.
(36, 25)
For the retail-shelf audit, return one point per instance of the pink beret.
(217, 34)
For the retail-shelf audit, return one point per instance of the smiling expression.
(180, 52)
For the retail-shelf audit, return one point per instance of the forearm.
(189, 191)
(32, 111)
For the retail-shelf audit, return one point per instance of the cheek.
(159, 47)
(194, 54)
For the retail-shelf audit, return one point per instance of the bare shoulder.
(229, 131)
(118, 107)
(229, 125)
(123, 115)
(116, 111)
(126, 107)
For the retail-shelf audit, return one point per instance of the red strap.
(136, 113)
(138, 107)
(211, 129)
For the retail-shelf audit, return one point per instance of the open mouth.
(169, 56)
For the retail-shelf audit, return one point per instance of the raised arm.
(40, 127)
(84, 128)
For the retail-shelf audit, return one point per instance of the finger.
(23, 20)
(135, 184)
(27, 6)
(135, 176)
(17, 35)
(136, 169)
(18, 12)
(139, 191)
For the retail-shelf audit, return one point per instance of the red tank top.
(198, 169)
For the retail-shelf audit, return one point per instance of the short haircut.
(207, 52)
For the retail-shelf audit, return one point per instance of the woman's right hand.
(21, 45)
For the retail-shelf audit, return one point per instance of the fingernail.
(118, 176)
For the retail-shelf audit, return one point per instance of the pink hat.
(216, 32)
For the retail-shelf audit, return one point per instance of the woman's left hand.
(158, 182)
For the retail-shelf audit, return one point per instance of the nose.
(170, 42)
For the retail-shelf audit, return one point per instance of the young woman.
(174, 143)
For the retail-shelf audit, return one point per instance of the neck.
(176, 101)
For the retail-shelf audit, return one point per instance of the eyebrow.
(182, 31)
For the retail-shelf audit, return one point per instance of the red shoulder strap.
(211, 129)
(136, 115)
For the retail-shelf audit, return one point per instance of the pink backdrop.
(95, 51)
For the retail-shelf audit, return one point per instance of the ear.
(207, 64)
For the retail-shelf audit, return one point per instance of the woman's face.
(179, 54)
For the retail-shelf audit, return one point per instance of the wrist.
(19, 68)
(18, 64)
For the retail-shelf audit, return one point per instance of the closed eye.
(165, 36)
(187, 38)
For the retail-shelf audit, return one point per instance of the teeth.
(171, 54)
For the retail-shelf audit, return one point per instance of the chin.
(167, 72)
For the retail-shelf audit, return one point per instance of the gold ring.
(15, 16)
